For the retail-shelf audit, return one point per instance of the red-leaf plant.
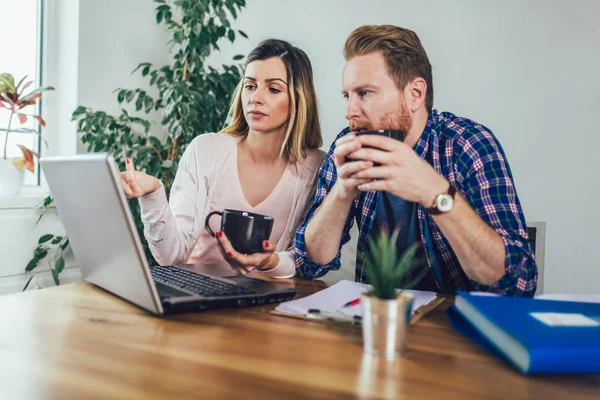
(13, 99)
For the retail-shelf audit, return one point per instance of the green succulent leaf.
(386, 271)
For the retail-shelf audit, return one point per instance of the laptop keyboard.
(196, 283)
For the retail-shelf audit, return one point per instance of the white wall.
(527, 70)
(114, 37)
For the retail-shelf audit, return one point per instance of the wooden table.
(78, 341)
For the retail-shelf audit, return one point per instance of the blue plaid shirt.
(469, 156)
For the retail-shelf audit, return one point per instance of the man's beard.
(400, 120)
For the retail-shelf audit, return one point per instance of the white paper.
(421, 298)
(564, 319)
(332, 299)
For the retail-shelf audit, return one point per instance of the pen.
(354, 302)
(331, 316)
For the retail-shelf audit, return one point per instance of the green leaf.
(148, 104)
(238, 57)
(386, 271)
(40, 252)
(231, 35)
(32, 264)
(57, 239)
(48, 200)
(64, 245)
(7, 82)
(55, 277)
(141, 65)
(159, 17)
(78, 112)
(60, 265)
(243, 34)
(20, 82)
(45, 238)
(139, 103)
(222, 17)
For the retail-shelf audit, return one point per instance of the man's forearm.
(479, 248)
(324, 231)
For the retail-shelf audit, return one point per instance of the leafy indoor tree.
(192, 97)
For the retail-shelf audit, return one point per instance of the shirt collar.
(422, 145)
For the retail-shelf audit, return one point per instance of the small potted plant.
(14, 101)
(386, 307)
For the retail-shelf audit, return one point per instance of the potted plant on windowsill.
(387, 308)
(14, 101)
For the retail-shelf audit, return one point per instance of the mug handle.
(210, 232)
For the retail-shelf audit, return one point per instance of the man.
(448, 186)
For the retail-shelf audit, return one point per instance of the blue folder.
(536, 336)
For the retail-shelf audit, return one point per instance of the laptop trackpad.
(250, 283)
(165, 291)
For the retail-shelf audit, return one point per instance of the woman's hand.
(137, 183)
(246, 263)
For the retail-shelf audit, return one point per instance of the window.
(21, 56)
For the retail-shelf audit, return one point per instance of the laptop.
(95, 213)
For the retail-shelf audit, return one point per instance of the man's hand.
(347, 184)
(137, 183)
(246, 263)
(479, 248)
(401, 173)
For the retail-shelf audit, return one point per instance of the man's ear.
(415, 92)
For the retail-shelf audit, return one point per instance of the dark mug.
(391, 133)
(246, 231)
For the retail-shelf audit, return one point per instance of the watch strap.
(434, 210)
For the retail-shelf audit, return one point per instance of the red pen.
(354, 302)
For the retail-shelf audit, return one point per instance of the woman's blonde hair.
(303, 129)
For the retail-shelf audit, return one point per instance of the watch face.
(445, 202)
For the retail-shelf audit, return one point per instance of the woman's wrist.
(271, 263)
(157, 185)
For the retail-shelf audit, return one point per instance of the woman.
(264, 162)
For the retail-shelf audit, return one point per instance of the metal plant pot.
(385, 324)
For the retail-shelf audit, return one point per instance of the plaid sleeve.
(326, 178)
(488, 186)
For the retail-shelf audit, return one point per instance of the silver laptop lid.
(95, 213)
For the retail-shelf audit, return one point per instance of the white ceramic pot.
(11, 178)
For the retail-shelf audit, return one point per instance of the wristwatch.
(443, 202)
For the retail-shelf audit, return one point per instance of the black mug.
(391, 133)
(246, 231)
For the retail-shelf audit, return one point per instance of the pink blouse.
(207, 180)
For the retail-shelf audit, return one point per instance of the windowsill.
(30, 197)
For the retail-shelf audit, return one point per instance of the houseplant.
(192, 97)
(14, 101)
(386, 307)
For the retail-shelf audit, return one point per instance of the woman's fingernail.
(219, 234)
(128, 160)
(265, 243)
(229, 253)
